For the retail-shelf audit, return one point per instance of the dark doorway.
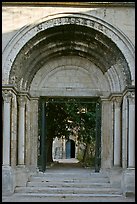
(70, 149)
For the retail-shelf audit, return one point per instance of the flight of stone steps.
(65, 184)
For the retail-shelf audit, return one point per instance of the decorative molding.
(115, 95)
(10, 88)
(71, 4)
(128, 89)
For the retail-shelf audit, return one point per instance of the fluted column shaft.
(21, 131)
(117, 132)
(131, 132)
(6, 128)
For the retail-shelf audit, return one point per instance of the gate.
(98, 137)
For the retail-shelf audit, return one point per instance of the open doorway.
(73, 122)
(70, 149)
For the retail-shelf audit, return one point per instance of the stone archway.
(32, 36)
(72, 55)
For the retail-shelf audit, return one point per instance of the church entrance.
(47, 64)
(75, 122)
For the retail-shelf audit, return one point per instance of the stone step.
(69, 195)
(68, 184)
(87, 179)
(66, 190)
(76, 174)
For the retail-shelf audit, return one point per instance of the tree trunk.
(86, 153)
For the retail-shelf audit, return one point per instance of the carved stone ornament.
(117, 101)
(70, 20)
(131, 97)
(7, 95)
(21, 101)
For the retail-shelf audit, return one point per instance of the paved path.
(64, 166)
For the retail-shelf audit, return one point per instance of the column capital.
(117, 101)
(7, 95)
(131, 97)
(22, 101)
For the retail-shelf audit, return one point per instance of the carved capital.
(131, 97)
(7, 95)
(21, 101)
(117, 101)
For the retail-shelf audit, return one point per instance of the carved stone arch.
(102, 39)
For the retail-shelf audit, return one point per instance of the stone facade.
(72, 50)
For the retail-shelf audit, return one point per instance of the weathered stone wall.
(15, 18)
(18, 18)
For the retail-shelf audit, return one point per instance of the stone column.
(107, 134)
(13, 135)
(34, 131)
(6, 128)
(131, 131)
(117, 131)
(27, 133)
(21, 131)
(124, 131)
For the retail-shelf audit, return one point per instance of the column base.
(8, 180)
(115, 175)
(128, 182)
(22, 175)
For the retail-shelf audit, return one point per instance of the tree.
(69, 116)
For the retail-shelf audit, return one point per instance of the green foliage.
(71, 116)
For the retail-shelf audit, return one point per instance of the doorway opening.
(75, 124)
(70, 149)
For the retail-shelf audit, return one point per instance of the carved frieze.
(70, 20)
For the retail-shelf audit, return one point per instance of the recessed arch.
(83, 35)
(70, 75)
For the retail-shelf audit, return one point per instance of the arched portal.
(68, 34)
(72, 55)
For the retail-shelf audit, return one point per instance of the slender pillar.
(107, 133)
(124, 131)
(34, 134)
(21, 131)
(131, 131)
(6, 128)
(117, 132)
(43, 137)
